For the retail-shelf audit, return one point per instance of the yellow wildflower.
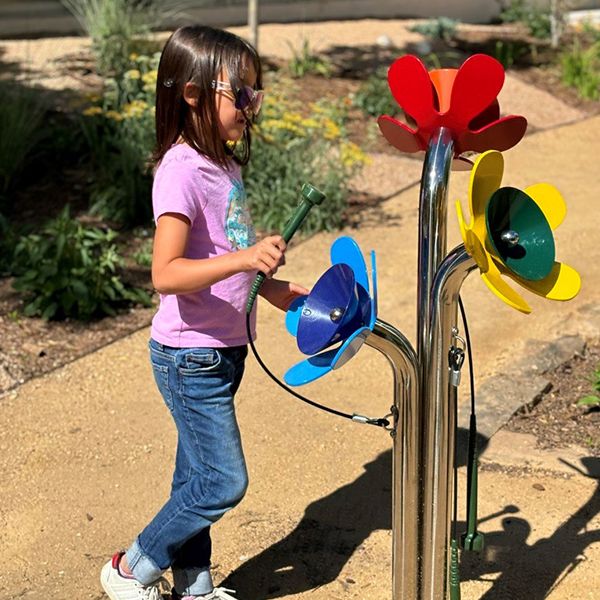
(114, 115)
(352, 155)
(150, 77)
(135, 108)
(132, 74)
(332, 131)
(92, 111)
(310, 123)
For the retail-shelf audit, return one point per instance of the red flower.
(462, 100)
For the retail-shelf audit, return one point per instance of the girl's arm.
(174, 274)
(281, 293)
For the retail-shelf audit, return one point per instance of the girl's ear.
(191, 92)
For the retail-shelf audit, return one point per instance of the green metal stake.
(472, 540)
(454, 573)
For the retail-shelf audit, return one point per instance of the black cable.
(380, 422)
(455, 509)
(463, 316)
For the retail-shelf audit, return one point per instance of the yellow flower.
(510, 234)
(135, 108)
(332, 131)
(114, 115)
(92, 111)
(150, 77)
(134, 56)
(310, 123)
(352, 155)
(132, 74)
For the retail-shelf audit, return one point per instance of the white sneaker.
(216, 594)
(219, 594)
(118, 587)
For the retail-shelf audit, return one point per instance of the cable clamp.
(456, 358)
(379, 422)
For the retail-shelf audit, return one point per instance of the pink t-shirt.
(214, 201)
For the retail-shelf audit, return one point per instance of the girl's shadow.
(332, 528)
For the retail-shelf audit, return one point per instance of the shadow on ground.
(532, 571)
(333, 528)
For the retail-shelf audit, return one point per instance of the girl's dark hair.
(197, 54)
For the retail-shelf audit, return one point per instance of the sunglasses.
(246, 99)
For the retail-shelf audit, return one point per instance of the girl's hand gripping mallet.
(311, 196)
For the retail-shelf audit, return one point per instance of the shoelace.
(221, 594)
(154, 592)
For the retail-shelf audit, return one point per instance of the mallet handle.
(311, 196)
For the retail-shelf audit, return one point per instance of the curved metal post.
(405, 547)
(440, 438)
(432, 249)
(433, 210)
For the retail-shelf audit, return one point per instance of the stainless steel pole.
(253, 22)
(440, 438)
(432, 248)
(405, 468)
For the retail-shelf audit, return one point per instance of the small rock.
(539, 486)
(384, 41)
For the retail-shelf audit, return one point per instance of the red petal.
(500, 135)
(399, 135)
(477, 84)
(412, 88)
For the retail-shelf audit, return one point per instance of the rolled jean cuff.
(193, 581)
(144, 569)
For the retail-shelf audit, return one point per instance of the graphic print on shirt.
(238, 222)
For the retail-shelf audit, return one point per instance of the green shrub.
(581, 70)
(115, 26)
(119, 131)
(442, 28)
(21, 117)
(374, 98)
(120, 146)
(68, 270)
(592, 400)
(290, 149)
(508, 52)
(143, 255)
(305, 62)
(7, 246)
(535, 18)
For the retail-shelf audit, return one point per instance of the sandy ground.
(86, 451)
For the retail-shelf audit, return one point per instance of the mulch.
(556, 420)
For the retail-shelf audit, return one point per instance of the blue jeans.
(198, 386)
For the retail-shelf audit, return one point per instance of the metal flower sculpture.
(340, 309)
(510, 233)
(462, 100)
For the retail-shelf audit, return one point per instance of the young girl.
(205, 259)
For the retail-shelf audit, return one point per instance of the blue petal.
(310, 369)
(350, 347)
(292, 316)
(346, 251)
(374, 307)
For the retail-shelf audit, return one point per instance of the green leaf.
(588, 400)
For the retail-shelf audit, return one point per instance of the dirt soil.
(556, 420)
